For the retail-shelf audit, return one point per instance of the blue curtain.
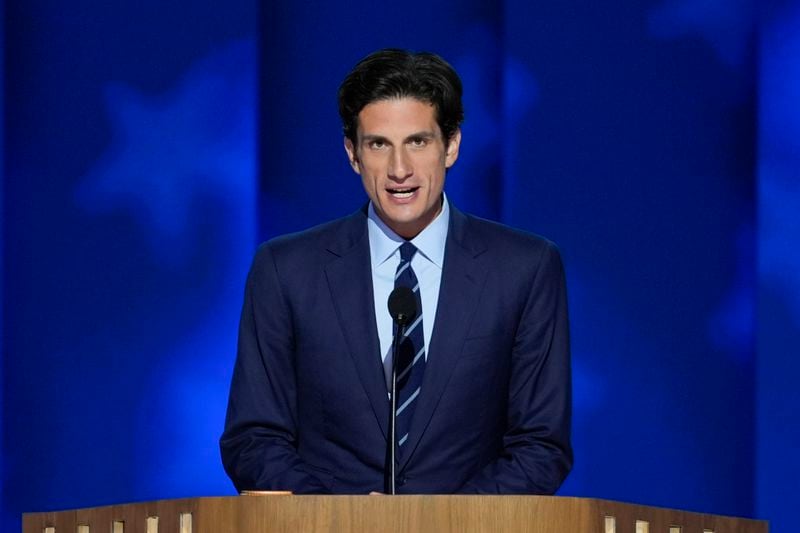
(778, 396)
(129, 222)
(2, 234)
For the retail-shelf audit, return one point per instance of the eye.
(418, 142)
(376, 144)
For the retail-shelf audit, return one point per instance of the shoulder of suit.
(496, 236)
(341, 232)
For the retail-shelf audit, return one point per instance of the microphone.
(402, 305)
(402, 308)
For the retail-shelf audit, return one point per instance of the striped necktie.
(411, 358)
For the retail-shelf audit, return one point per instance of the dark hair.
(394, 73)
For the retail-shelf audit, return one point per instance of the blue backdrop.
(149, 148)
(778, 369)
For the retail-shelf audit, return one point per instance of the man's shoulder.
(501, 238)
(334, 236)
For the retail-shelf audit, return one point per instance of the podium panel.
(390, 514)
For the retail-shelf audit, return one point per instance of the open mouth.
(403, 193)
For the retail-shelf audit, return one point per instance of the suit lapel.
(463, 276)
(350, 281)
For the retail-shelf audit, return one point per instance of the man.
(484, 400)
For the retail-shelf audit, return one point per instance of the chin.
(405, 221)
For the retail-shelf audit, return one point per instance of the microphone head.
(402, 305)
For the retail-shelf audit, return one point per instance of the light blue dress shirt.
(384, 251)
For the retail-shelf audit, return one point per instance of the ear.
(352, 156)
(452, 149)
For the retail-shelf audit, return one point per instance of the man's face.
(401, 158)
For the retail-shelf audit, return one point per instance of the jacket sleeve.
(258, 445)
(536, 452)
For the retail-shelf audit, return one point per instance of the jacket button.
(401, 481)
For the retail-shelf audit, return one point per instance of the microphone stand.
(401, 333)
(402, 308)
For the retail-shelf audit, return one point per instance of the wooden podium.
(401, 514)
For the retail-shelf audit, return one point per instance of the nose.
(400, 166)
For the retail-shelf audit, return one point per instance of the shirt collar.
(383, 242)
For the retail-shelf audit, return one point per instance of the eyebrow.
(424, 134)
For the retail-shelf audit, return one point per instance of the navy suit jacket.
(308, 408)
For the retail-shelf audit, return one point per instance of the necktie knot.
(407, 251)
